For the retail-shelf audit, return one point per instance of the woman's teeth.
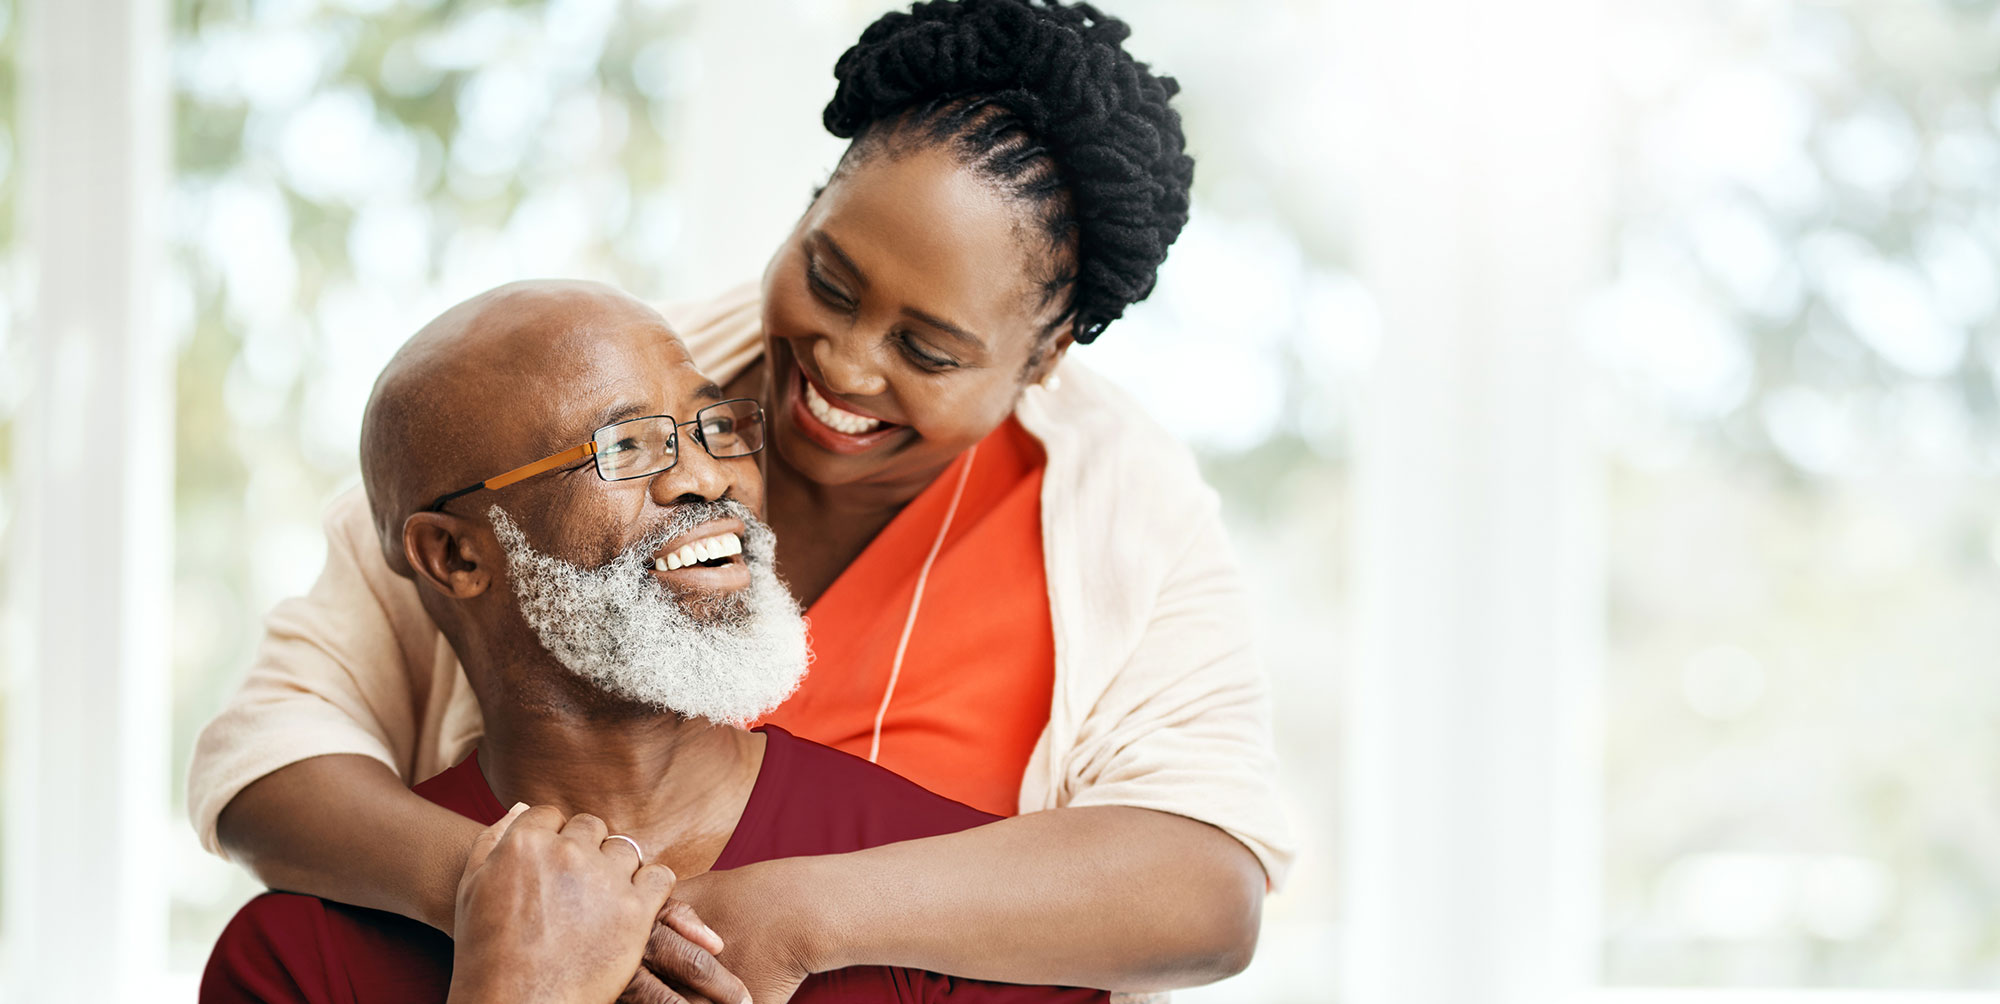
(705, 549)
(836, 419)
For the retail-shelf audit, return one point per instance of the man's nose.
(848, 367)
(695, 476)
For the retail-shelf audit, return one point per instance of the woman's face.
(900, 317)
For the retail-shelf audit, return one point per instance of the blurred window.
(13, 355)
(1801, 353)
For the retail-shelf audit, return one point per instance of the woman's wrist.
(804, 896)
(437, 900)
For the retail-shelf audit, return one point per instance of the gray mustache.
(757, 539)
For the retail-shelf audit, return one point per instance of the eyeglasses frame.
(588, 449)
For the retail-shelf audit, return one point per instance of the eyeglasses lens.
(731, 429)
(635, 449)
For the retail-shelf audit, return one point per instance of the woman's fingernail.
(519, 807)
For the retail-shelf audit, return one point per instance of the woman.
(1019, 588)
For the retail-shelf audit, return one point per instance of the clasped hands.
(551, 912)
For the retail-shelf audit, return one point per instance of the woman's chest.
(934, 649)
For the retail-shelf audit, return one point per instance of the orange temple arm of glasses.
(544, 464)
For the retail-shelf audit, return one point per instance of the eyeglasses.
(642, 447)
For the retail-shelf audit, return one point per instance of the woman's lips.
(838, 418)
(809, 403)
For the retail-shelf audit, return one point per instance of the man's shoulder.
(274, 949)
(814, 799)
(286, 947)
(462, 788)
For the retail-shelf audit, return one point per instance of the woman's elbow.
(243, 829)
(1229, 934)
(1220, 909)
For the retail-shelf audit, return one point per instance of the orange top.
(973, 695)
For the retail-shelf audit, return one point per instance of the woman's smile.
(836, 427)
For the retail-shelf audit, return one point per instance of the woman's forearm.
(344, 828)
(1117, 898)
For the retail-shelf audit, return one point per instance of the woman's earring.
(1052, 383)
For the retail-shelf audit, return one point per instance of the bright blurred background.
(1605, 399)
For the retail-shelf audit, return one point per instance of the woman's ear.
(451, 554)
(1052, 357)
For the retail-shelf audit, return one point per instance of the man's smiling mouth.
(708, 552)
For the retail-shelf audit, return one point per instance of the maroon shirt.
(807, 799)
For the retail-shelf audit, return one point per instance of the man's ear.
(451, 554)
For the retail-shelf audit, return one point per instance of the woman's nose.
(848, 368)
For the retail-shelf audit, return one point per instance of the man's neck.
(677, 786)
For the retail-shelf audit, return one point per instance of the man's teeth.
(696, 552)
(840, 421)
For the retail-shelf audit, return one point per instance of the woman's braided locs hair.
(1041, 98)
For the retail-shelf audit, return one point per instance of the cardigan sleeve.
(1184, 726)
(1161, 702)
(350, 667)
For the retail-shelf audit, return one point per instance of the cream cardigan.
(1159, 702)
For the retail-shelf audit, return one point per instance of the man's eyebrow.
(634, 409)
(833, 247)
(619, 413)
(947, 327)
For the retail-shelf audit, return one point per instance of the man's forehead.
(629, 376)
(618, 407)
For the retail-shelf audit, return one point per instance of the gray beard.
(616, 627)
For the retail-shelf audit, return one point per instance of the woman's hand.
(680, 964)
(550, 912)
(769, 943)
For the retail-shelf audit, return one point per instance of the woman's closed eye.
(925, 358)
(825, 289)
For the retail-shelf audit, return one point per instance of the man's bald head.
(482, 387)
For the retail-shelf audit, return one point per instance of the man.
(616, 610)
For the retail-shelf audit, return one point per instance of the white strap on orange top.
(916, 601)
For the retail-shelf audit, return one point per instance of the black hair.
(1040, 98)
